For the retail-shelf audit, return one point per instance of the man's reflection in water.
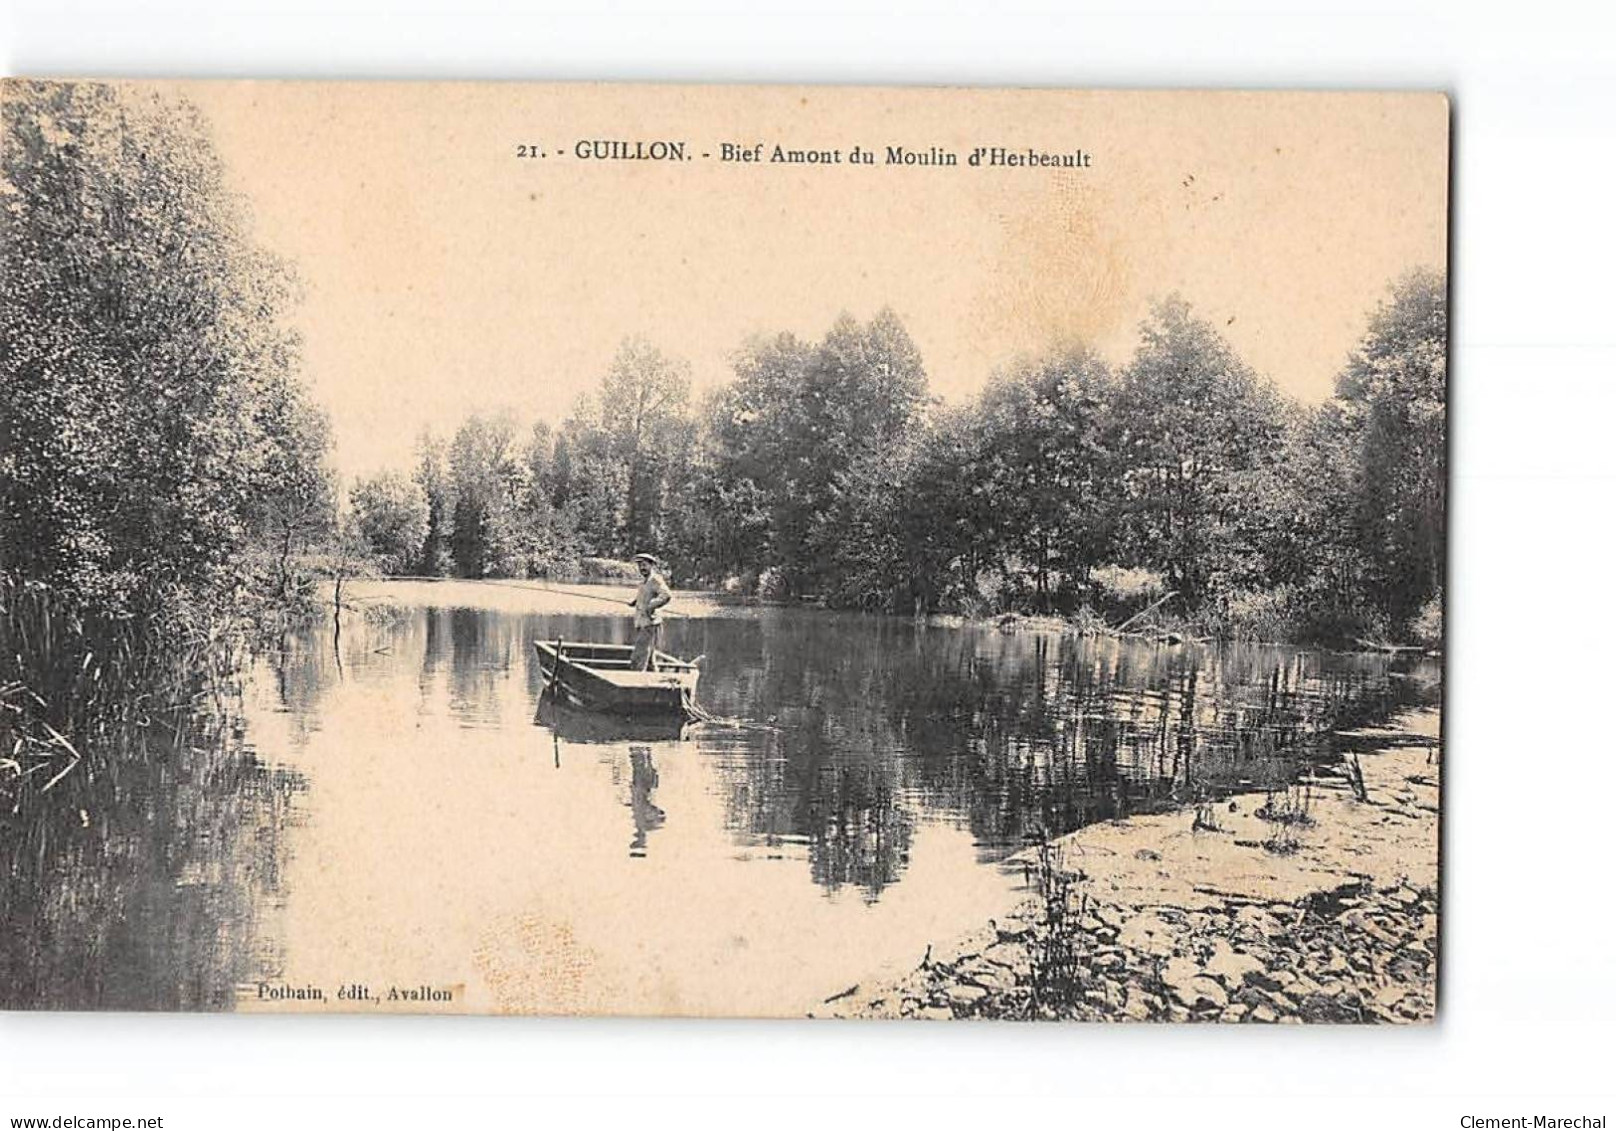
(646, 815)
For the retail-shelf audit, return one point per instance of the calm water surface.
(429, 824)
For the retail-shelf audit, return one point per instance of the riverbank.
(1318, 904)
(509, 595)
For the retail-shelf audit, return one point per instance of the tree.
(704, 520)
(432, 476)
(864, 401)
(152, 426)
(645, 411)
(760, 453)
(489, 482)
(1389, 415)
(1047, 468)
(948, 510)
(624, 448)
(390, 513)
(1191, 417)
(295, 508)
(800, 432)
(547, 533)
(591, 481)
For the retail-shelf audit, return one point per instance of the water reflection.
(860, 728)
(590, 728)
(140, 883)
(643, 786)
(884, 723)
(422, 793)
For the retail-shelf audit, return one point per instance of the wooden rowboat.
(597, 677)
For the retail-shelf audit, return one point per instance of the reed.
(1286, 811)
(71, 680)
(1059, 958)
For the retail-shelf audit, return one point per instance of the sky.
(442, 274)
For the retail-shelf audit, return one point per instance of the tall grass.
(1059, 966)
(72, 678)
(69, 677)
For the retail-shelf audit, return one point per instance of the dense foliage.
(156, 446)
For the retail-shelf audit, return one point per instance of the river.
(391, 814)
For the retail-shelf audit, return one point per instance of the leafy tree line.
(824, 469)
(494, 500)
(158, 450)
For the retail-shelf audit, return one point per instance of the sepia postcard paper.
(722, 551)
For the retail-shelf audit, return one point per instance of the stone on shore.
(1212, 927)
(1230, 966)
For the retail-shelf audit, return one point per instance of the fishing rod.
(540, 587)
(548, 587)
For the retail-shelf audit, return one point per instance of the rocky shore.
(1318, 904)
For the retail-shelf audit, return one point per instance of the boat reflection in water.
(577, 726)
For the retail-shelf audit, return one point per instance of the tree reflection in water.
(148, 883)
(882, 724)
(139, 883)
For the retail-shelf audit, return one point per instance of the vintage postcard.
(722, 551)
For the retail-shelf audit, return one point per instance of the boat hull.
(597, 677)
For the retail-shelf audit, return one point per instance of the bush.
(607, 569)
(743, 584)
(390, 513)
(1087, 622)
(1268, 615)
(964, 601)
(1288, 614)
(1128, 585)
(1118, 592)
(1427, 626)
(996, 591)
(771, 585)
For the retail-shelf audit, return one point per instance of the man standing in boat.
(652, 594)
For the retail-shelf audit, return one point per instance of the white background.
(1529, 977)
